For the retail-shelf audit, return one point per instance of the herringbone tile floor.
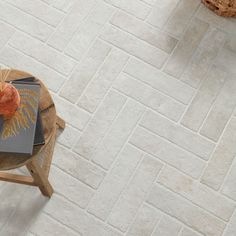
(148, 90)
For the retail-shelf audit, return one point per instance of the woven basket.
(225, 8)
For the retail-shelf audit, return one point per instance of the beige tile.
(185, 48)
(204, 99)
(167, 152)
(178, 135)
(143, 31)
(197, 193)
(149, 97)
(221, 110)
(185, 211)
(222, 158)
(134, 46)
(131, 199)
(113, 184)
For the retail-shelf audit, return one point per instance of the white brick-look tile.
(149, 97)
(63, 5)
(227, 58)
(205, 55)
(70, 24)
(161, 12)
(88, 32)
(131, 199)
(25, 22)
(203, 100)
(8, 32)
(69, 136)
(134, 46)
(231, 228)
(188, 232)
(103, 80)
(160, 81)
(70, 187)
(222, 158)
(185, 211)
(99, 124)
(39, 51)
(115, 139)
(221, 110)
(144, 222)
(80, 78)
(167, 152)
(40, 10)
(79, 168)
(183, 52)
(77, 219)
(46, 225)
(197, 193)
(135, 7)
(178, 135)
(181, 16)
(72, 114)
(115, 182)
(143, 31)
(147, 90)
(167, 226)
(14, 59)
(229, 187)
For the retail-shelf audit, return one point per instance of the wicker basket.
(225, 8)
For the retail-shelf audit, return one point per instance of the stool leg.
(61, 123)
(40, 178)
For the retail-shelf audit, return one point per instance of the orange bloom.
(9, 100)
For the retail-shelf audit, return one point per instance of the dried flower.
(3, 77)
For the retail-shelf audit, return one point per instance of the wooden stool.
(39, 171)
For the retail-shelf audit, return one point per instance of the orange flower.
(9, 99)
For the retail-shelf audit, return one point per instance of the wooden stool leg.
(61, 123)
(40, 178)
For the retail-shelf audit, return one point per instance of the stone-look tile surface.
(78, 167)
(74, 86)
(167, 226)
(229, 187)
(231, 228)
(134, 46)
(167, 152)
(103, 80)
(118, 134)
(205, 55)
(203, 100)
(186, 47)
(99, 124)
(46, 225)
(149, 97)
(131, 199)
(197, 193)
(177, 135)
(188, 232)
(221, 110)
(222, 158)
(160, 81)
(145, 221)
(181, 16)
(185, 211)
(115, 182)
(147, 89)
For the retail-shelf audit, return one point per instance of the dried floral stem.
(3, 77)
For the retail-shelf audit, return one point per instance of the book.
(17, 134)
(39, 134)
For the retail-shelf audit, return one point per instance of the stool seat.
(39, 169)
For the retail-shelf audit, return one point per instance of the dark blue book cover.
(18, 132)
